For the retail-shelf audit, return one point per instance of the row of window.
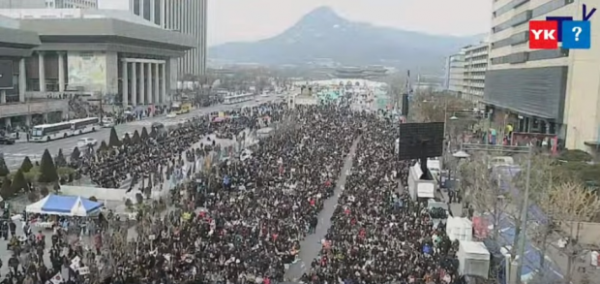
(522, 18)
(522, 57)
(508, 7)
(514, 39)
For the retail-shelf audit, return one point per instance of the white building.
(185, 16)
(551, 92)
(475, 66)
(455, 73)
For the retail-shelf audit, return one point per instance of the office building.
(185, 16)
(553, 93)
(59, 54)
(475, 66)
(455, 73)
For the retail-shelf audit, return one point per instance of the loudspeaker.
(405, 105)
(421, 140)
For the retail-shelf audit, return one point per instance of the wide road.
(14, 154)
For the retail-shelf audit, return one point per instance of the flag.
(56, 279)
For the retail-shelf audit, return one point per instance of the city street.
(14, 154)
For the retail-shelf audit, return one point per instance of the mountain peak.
(323, 15)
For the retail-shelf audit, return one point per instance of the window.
(548, 54)
(501, 43)
(549, 7)
(519, 38)
(521, 18)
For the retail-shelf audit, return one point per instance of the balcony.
(33, 106)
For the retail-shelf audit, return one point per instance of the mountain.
(324, 34)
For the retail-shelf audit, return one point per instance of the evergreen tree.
(113, 140)
(6, 190)
(103, 146)
(27, 165)
(75, 154)
(136, 137)
(60, 159)
(144, 135)
(48, 173)
(19, 183)
(126, 139)
(153, 133)
(3, 168)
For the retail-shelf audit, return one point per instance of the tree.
(113, 140)
(144, 135)
(136, 137)
(19, 183)
(93, 198)
(436, 107)
(153, 133)
(60, 160)
(48, 173)
(75, 154)
(126, 139)
(32, 196)
(26, 165)
(4, 171)
(568, 204)
(103, 147)
(6, 190)
(44, 191)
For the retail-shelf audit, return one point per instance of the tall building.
(553, 93)
(455, 73)
(475, 66)
(185, 16)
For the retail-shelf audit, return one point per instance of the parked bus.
(49, 132)
(236, 99)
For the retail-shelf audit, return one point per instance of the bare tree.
(569, 204)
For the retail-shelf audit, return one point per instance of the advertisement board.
(87, 70)
(6, 74)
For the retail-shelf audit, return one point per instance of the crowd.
(382, 236)
(243, 220)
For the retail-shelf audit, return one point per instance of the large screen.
(6, 74)
(87, 70)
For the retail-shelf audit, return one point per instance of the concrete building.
(184, 16)
(455, 73)
(116, 57)
(52, 4)
(550, 92)
(475, 66)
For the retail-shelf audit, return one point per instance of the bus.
(181, 108)
(49, 132)
(236, 99)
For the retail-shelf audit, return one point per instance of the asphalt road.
(14, 154)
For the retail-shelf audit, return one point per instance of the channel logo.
(572, 34)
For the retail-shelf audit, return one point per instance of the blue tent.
(532, 255)
(64, 205)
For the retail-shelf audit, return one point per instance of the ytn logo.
(572, 34)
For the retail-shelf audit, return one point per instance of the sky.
(249, 20)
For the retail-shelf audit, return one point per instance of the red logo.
(543, 35)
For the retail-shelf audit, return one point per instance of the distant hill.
(324, 34)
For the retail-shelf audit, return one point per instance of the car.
(6, 140)
(87, 141)
(264, 95)
(171, 115)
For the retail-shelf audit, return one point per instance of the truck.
(181, 108)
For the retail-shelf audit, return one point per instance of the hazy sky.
(244, 20)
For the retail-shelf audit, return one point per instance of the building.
(59, 55)
(185, 16)
(475, 66)
(369, 72)
(455, 73)
(53, 4)
(550, 92)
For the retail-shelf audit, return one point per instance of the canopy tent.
(64, 205)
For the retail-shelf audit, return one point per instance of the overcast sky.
(246, 20)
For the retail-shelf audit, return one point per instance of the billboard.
(6, 74)
(87, 70)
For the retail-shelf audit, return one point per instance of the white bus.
(49, 132)
(236, 99)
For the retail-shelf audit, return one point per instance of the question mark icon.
(577, 31)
